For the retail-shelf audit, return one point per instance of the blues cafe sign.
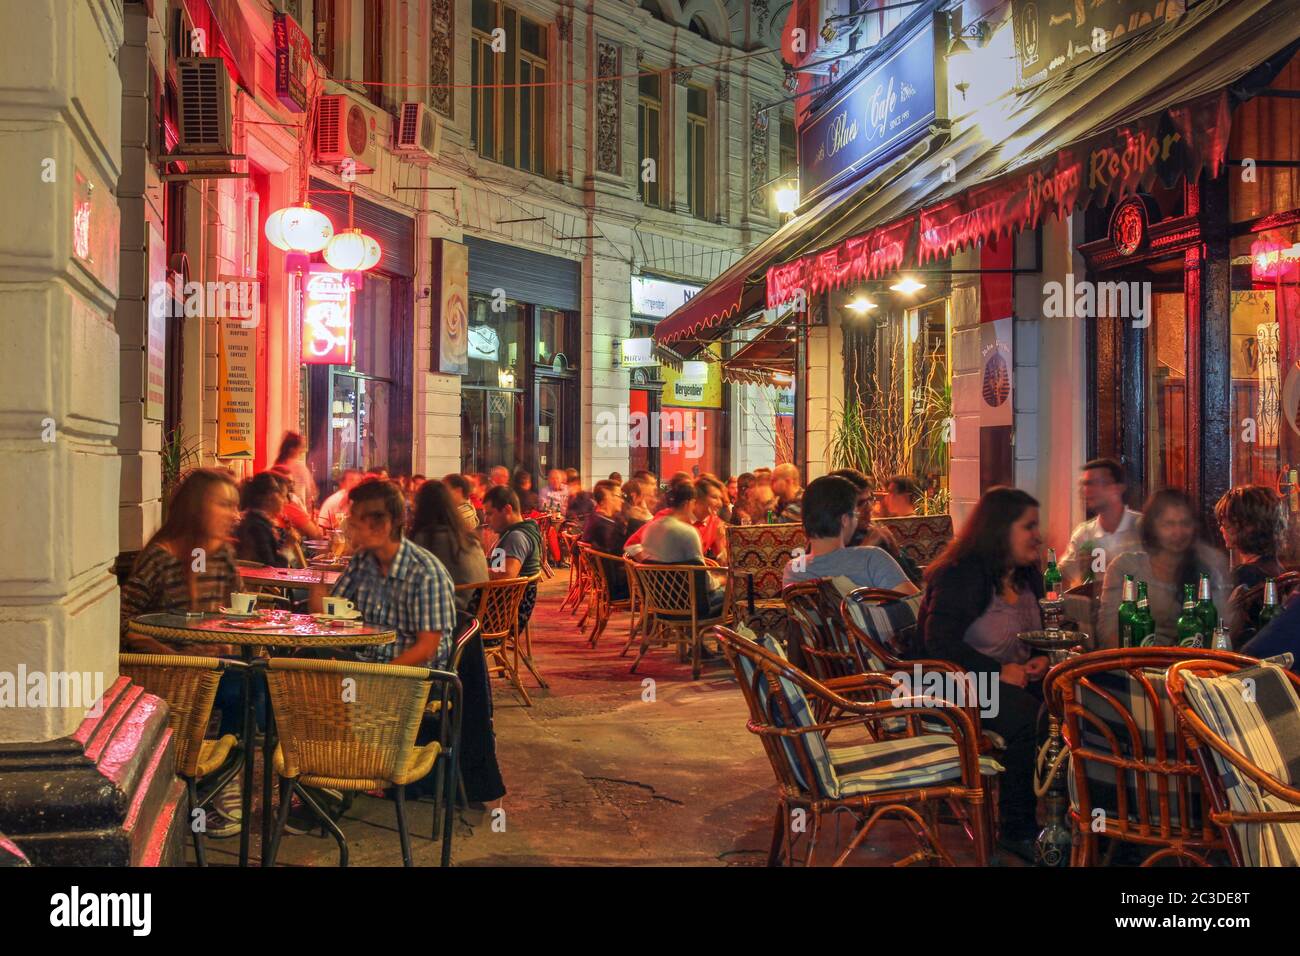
(878, 115)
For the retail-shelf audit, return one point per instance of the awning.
(739, 290)
(1157, 106)
(772, 352)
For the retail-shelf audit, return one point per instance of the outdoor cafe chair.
(497, 610)
(352, 727)
(636, 605)
(189, 686)
(756, 559)
(577, 574)
(604, 605)
(672, 612)
(1241, 717)
(871, 780)
(1131, 775)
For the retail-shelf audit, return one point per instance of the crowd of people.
(415, 539)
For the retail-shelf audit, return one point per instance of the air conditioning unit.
(419, 132)
(347, 131)
(204, 90)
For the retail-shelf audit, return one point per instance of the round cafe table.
(289, 577)
(278, 630)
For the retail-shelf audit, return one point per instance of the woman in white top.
(1172, 555)
(293, 448)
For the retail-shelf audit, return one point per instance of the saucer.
(237, 615)
(337, 621)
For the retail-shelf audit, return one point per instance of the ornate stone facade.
(681, 75)
(609, 119)
(758, 159)
(724, 90)
(441, 57)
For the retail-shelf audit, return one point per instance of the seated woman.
(1253, 522)
(980, 593)
(294, 515)
(259, 529)
(188, 565)
(522, 485)
(439, 527)
(1173, 555)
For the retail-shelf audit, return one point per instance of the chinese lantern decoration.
(352, 251)
(299, 229)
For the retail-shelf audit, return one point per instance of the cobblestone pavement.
(605, 768)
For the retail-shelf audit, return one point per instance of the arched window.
(699, 29)
(652, 8)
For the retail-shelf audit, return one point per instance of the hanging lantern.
(352, 251)
(299, 229)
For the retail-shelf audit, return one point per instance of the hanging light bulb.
(299, 229)
(907, 286)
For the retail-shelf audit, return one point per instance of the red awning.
(1173, 143)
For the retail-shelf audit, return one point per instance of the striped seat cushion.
(900, 764)
(1103, 785)
(1257, 714)
(813, 744)
(892, 624)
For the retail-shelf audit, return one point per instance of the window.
(648, 132)
(374, 55)
(323, 33)
(697, 151)
(508, 124)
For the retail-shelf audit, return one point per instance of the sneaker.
(225, 812)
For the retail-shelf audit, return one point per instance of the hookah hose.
(1042, 782)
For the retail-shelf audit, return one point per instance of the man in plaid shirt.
(395, 582)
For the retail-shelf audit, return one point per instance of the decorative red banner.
(856, 259)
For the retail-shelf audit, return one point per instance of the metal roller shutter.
(526, 276)
(394, 231)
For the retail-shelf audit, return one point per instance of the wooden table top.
(273, 629)
(300, 577)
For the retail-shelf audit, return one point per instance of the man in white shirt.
(336, 505)
(1111, 531)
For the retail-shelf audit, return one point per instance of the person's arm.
(885, 572)
(435, 610)
(511, 547)
(1072, 565)
(953, 601)
(1279, 636)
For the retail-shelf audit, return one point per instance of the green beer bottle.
(1052, 577)
(1127, 610)
(1205, 608)
(1270, 608)
(1190, 633)
(1144, 625)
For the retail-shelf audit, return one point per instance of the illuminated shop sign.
(326, 318)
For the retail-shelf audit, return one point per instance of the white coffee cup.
(242, 602)
(339, 607)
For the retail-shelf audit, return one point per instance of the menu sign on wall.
(885, 110)
(1052, 36)
(237, 373)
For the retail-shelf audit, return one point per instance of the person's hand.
(1015, 675)
(1036, 667)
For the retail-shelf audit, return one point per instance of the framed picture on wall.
(451, 341)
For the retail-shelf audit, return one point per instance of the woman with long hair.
(1173, 555)
(188, 564)
(1253, 523)
(980, 594)
(439, 527)
(259, 535)
(293, 449)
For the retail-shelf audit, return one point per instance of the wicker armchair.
(636, 606)
(757, 555)
(603, 602)
(497, 611)
(350, 726)
(1127, 757)
(1243, 738)
(189, 685)
(874, 780)
(577, 573)
(671, 612)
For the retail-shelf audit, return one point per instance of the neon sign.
(326, 318)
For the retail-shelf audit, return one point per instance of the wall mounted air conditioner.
(419, 132)
(204, 93)
(347, 131)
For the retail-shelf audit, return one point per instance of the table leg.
(250, 741)
(268, 772)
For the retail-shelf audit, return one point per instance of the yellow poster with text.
(237, 402)
(698, 384)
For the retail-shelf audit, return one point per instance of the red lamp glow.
(299, 229)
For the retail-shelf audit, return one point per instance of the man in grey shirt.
(829, 519)
(672, 539)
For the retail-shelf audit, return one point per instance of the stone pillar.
(964, 462)
(108, 793)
